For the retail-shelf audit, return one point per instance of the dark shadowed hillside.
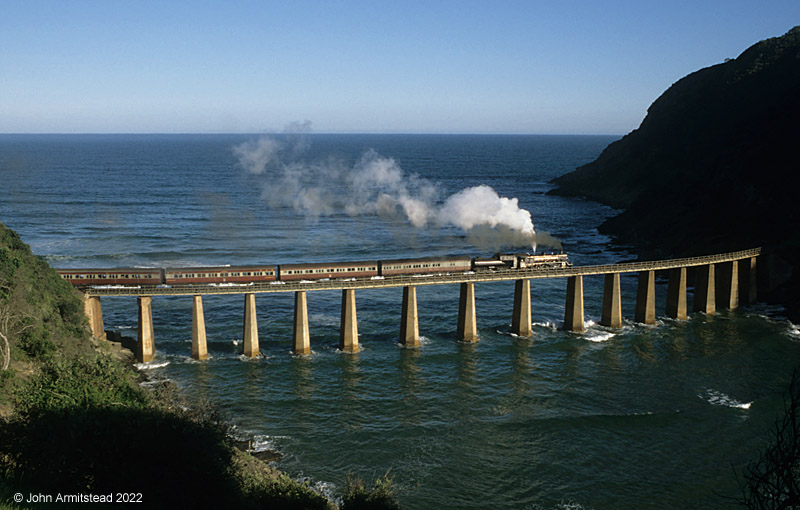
(714, 166)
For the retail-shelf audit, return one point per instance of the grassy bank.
(74, 419)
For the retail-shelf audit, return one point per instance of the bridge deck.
(404, 281)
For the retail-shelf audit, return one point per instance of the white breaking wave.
(154, 382)
(718, 398)
(151, 365)
(242, 357)
(599, 336)
(263, 443)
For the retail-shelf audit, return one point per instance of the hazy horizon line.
(280, 133)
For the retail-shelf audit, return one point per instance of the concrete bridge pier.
(94, 313)
(747, 281)
(612, 302)
(676, 294)
(573, 311)
(727, 288)
(145, 349)
(704, 289)
(646, 298)
(409, 320)
(467, 330)
(348, 331)
(250, 331)
(301, 343)
(199, 345)
(521, 317)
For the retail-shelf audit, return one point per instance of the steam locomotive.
(233, 275)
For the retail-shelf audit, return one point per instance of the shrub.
(36, 342)
(85, 382)
(285, 492)
(172, 461)
(382, 494)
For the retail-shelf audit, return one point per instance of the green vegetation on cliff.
(75, 420)
(713, 166)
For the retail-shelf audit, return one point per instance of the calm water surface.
(645, 417)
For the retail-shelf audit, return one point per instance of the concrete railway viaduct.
(723, 280)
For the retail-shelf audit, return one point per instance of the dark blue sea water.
(644, 417)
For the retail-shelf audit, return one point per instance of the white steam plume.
(378, 185)
(481, 205)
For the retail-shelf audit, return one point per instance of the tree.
(12, 323)
(773, 481)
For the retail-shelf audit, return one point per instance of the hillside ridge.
(713, 167)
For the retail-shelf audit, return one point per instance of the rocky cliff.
(714, 166)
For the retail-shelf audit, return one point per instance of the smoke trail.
(377, 185)
(256, 156)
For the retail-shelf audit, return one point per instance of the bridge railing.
(418, 280)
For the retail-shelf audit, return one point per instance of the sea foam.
(718, 398)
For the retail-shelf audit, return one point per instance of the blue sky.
(561, 67)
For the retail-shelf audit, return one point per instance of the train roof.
(354, 263)
(109, 270)
(220, 269)
(427, 259)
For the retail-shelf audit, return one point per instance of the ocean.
(643, 417)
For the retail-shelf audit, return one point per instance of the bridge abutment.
(467, 330)
(704, 290)
(348, 331)
(301, 340)
(409, 320)
(521, 316)
(676, 294)
(146, 349)
(250, 331)
(646, 298)
(94, 313)
(199, 345)
(573, 310)
(612, 302)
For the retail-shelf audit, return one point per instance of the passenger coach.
(289, 272)
(225, 274)
(118, 276)
(431, 265)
